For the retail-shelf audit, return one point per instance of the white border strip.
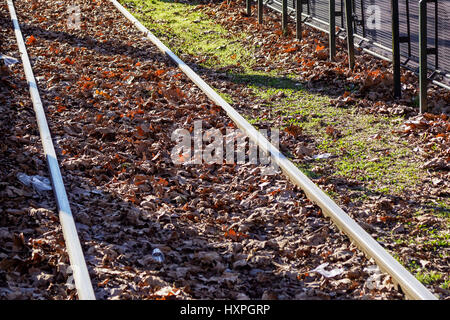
(410, 285)
(77, 262)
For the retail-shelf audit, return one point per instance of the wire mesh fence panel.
(373, 23)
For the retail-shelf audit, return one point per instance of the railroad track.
(246, 229)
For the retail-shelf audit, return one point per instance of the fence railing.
(412, 31)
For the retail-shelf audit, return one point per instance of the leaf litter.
(221, 238)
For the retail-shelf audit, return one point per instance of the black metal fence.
(410, 33)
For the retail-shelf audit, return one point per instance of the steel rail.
(77, 262)
(409, 284)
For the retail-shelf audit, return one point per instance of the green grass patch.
(440, 208)
(428, 277)
(365, 149)
(189, 31)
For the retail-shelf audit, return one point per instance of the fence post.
(249, 7)
(260, 11)
(284, 16)
(396, 48)
(332, 29)
(363, 18)
(436, 34)
(298, 18)
(349, 29)
(423, 67)
(408, 28)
